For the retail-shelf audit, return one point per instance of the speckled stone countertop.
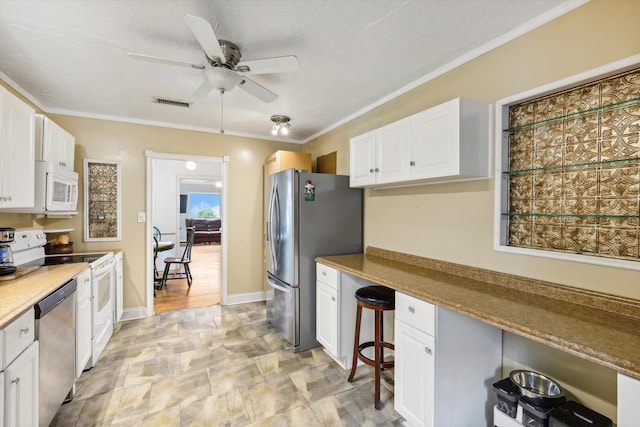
(602, 328)
(18, 295)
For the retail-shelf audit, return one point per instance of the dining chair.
(184, 261)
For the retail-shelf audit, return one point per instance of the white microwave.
(56, 188)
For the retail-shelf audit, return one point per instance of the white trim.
(575, 80)
(134, 313)
(246, 297)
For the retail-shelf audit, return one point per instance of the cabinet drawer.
(18, 335)
(415, 312)
(327, 275)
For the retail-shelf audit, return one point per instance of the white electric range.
(28, 250)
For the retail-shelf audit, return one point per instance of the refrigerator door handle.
(275, 225)
(281, 288)
(270, 226)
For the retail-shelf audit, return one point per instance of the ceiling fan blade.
(205, 35)
(149, 58)
(203, 90)
(257, 90)
(280, 64)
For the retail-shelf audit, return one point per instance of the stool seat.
(376, 295)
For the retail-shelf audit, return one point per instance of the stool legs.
(378, 345)
(356, 341)
(378, 350)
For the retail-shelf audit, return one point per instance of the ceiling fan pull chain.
(221, 110)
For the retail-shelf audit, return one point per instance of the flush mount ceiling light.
(281, 125)
(191, 165)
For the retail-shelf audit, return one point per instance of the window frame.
(501, 159)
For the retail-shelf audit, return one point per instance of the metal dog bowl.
(536, 386)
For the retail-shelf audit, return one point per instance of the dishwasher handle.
(50, 302)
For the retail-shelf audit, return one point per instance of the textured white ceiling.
(70, 56)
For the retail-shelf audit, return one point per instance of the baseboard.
(247, 297)
(133, 313)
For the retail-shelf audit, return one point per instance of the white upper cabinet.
(449, 142)
(381, 156)
(54, 144)
(17, 166)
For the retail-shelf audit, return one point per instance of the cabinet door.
(83, 321)
(414, 373)
(1, 399)
(392, 152)
(434, 142)
(628, 398)
(17, 153)
(21, 389)
(327, 317)
(363, 160)
(67, 151)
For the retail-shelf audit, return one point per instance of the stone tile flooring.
(220, 366)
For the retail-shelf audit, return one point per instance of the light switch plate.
(141, 217)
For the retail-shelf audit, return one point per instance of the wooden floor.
(205, 291)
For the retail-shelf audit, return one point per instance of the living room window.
(569, 171)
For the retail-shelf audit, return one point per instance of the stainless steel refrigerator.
(308, 215)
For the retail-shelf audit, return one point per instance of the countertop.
(602, 328)
(18, 295)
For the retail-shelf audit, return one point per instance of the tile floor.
(220, 366)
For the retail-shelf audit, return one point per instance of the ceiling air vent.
(173, 102)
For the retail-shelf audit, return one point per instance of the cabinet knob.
(24, 330)
(377, 170)
(411, 309)
(324, 273)
(412, 163)
(370, 170)
(333, 298)
(427, 350)
(16, 381)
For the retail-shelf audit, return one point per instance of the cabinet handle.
(412, 163)
(377, 170)
(427, 350)
(333, 298)
(24, 330)
(16, 381)
(370, 170)
(411, 309)
(324, 273)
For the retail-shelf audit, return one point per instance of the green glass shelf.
(584, 165)
(510, 214)
(627, 103)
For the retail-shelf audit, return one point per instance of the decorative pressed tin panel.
(572, 170)
(102, 200)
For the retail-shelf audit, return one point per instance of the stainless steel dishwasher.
(56, 332)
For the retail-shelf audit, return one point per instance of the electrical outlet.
(141, 217)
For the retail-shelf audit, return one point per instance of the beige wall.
(126, 143)
(454, 222)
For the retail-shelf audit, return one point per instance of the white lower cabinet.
(628, 399)
(336, 314)
(21, 389)
(83, 320)
(445, 364)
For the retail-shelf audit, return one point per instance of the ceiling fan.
(226, 71)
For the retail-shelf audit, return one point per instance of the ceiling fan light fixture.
(281, 125)
(222, 78)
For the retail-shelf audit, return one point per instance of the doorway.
(171, 178)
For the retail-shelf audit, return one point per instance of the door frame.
(151, 156)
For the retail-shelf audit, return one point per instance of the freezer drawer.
(282, 310)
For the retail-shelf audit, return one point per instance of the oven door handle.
(104, 267)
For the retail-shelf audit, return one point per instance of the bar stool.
(379, 299)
